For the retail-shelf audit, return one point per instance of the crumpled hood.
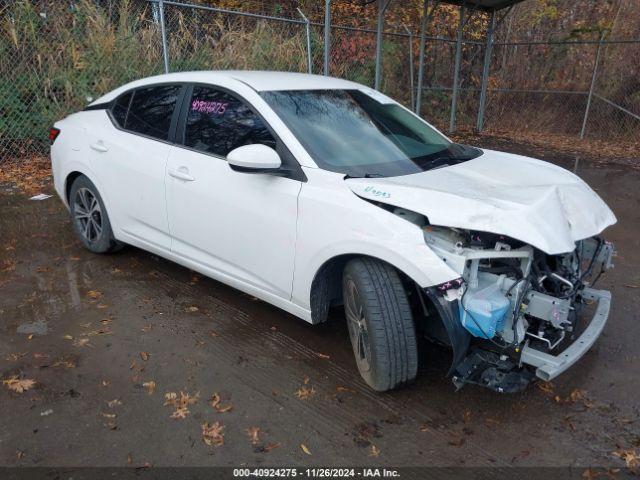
(529, 200)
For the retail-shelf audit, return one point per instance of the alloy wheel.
(88, 215)
(356, 322)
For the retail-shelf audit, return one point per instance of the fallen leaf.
(144, 356)
(630, 457)
(64, 363)
(215, 403)
(150, 387)
(305, 449)
(456, 441)
(225, 408)
(30, 337)
(374, 451)
(270, 446)
(113, 403)
(102, 306)
(129, 459)
(94, 294)
(322, 355)
(13, 357)
(82, 342)
(345, 389)
(19, 454)
(546, 387)
(100, 331)
(18, 385)
(147, 328)
(253, 433)
(180, 413)
(104, 383)
(522, 454)
(305, 393)
(170, 398)
(68, 337)
(108, 415)
(192, 309)
(424, 428)
(213, 434)
(181, 403)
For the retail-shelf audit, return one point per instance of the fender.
(417, 262)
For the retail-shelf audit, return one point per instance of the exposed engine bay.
(522, 310)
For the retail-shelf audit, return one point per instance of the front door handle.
(99, 146)
(182, 173)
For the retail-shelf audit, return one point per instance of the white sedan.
(312, 192)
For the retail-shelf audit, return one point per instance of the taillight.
(53, 134)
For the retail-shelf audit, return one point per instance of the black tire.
(386, 350)
(89, 217)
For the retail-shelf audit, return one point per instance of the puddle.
(39, 327)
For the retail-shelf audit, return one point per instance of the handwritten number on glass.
(207, 106)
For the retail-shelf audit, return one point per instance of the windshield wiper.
(366, 175)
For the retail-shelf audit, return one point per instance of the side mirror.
(255, 158)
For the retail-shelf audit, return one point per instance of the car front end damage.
(515, 313)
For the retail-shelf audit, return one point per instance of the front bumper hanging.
(549, 366)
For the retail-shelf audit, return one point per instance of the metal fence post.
(163, 33)
(456, 73)
(591, 87)
(327, 35)
(485, 72)
(382, 6)
(423, 28)
(410, 63)
(308, 32)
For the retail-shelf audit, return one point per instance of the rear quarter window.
(120, 108)
(151, 110)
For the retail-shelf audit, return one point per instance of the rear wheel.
(89, 217)
(380, 323)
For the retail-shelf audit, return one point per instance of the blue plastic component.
(484, 311)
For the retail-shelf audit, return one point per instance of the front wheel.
(380, 323)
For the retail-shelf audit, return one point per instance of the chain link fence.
(56, 56)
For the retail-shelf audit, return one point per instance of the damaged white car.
(312, 192)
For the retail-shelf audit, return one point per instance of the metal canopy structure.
(484, 5)
(467, 10)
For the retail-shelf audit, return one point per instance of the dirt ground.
(132, 354)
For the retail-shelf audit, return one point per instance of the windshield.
(348, 131)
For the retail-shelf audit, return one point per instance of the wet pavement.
(106, 337)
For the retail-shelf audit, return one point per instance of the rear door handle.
(181, 173)
(99, 147)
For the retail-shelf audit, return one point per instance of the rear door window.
(151, 110)
(218, 122)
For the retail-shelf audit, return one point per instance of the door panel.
(242, 225)
(133, 173)
(131, 158)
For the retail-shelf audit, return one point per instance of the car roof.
(258, 80)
